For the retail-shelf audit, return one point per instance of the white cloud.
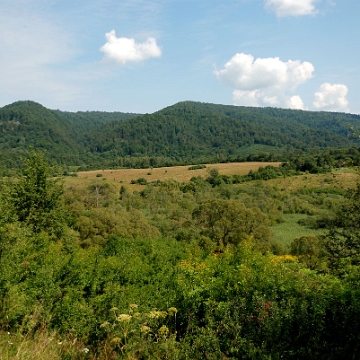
(295, 102)
(248, 98)
(284, 8)
(265, 81)
(123, 50)
(331, 97)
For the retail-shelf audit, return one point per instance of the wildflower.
(104, 324)
(114, 309)
(145, 329)
(157, 314)
(85, 350)
(163, 331)
(133, 306)
(124, 318)
(116, 340)
(172, 310)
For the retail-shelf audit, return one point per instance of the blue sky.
(143, 55)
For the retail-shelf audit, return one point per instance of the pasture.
(178, 173)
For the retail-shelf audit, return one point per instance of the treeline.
(317, 161)
(177, 270)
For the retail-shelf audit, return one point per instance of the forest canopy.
(186, 270)
(183, 134)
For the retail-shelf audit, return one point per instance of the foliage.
(197, 132)
(197, 167)
(182, 134)
(343, 240)
(309, 250)
(230, 222)
(242, 305)
(36, 200)
(140, 181)
(177, 270)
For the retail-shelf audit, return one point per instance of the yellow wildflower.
(155, 314)
(145, 329)
(116, 340)
(172, 310)
(124, 318)
(163, 331)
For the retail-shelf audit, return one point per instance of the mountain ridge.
(186, 132)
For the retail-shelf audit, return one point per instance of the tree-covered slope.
(27, 124)
(190, 130)
(85, 121)
(184, 133)
(63, 135)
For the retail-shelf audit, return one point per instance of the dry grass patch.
(330, 180)
(178, 173)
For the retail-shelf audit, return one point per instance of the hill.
(62, 135)
(187, 132)
(190, 132)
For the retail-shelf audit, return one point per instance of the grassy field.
(340, 180)
(178, 173)
(287, 231)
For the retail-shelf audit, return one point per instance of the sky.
(141, 56)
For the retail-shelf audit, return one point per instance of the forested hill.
(190, 130)
(62, 135)
(184, 133)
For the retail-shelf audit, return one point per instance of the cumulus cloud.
(295, 102)
(123, 50)
(331, 97)
(284, 8)
(265, 81)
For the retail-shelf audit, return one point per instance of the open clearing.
(178, 173)
(336, 179)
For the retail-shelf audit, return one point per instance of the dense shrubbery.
(180, 271)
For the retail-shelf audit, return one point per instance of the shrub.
(197, 167)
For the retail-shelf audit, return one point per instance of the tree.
(102, 190)
(308, 249)
(343, 240)
(230, 222)
(35, 199)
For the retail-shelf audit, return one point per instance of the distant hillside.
(63, 135)
(89, 120)
(184, 133)
(191, 130)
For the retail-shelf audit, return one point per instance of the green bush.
(140, 181)
(197, 167)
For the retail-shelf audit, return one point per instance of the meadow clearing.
(339, 178)
(178, 173)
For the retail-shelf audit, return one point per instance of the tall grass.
(41, 346)
(290, 229)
